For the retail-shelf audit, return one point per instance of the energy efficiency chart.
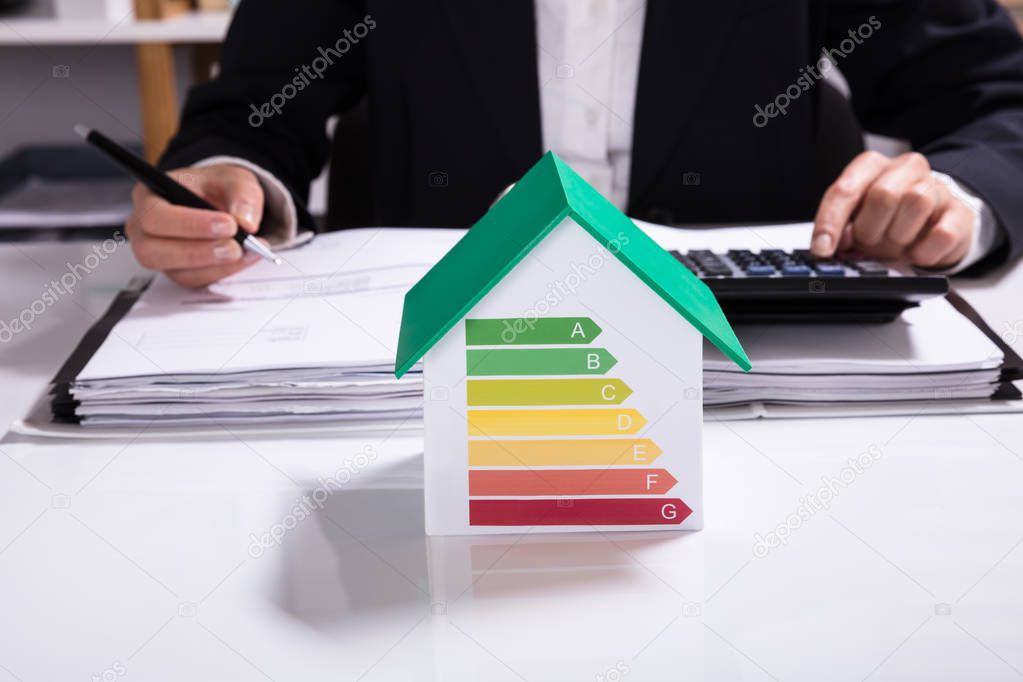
(581, 410)
(551, 439)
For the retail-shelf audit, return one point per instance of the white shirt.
(588, 54)
(588, 67)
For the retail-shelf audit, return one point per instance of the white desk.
(134, 559)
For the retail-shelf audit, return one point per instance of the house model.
(562, 355)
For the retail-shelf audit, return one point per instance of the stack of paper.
(314, 340)
(930, 353)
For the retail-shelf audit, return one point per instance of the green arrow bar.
(526, 331)
(485, 362)
(546, 392)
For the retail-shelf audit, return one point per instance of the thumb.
(247, 208)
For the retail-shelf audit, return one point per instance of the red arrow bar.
(578, 512)
(548, 482)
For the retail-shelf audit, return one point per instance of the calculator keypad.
(740, 263)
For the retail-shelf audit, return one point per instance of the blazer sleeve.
(947, 75)
(285, 68)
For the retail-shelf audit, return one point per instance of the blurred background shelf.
(192, 27)
(153, 29)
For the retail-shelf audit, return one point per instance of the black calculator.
(773, 285)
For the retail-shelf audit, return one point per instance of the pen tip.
(82, 130)
(277, 261)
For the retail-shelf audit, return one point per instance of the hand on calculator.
(892, 208)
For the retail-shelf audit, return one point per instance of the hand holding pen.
(194, 224)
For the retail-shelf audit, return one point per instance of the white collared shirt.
(588, 67)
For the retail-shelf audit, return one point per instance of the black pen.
(165, 186)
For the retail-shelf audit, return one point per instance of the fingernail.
(822, 244)
(250, 258)
(246, 213)
(225, 253)
(222, 228)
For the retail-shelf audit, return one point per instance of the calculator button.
(760, 270)
(869, 268)
(742, 257)
(718, 270)
(830, 270)
(794, 270)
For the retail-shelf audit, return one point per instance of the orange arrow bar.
(548, 482)
(597, 421)
(558, 452)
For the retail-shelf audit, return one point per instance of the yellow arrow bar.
(583, 422)
(603, 451)
(523, 392)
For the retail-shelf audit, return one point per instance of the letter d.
(255, 112)
(255, 547)
(760, 116)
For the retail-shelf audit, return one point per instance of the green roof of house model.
(548, 193)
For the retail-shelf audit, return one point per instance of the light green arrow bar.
(546, 392)
(484, 362)
(523, 331)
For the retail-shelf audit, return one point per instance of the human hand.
(893, 208)
(195, 247)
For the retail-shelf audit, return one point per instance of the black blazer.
(455, 115)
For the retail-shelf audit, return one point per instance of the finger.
(160, 253)
(200, 277)
(946, 240)
(953, 257)
(923, 200)
(132, 228)
(883, 250)
(841, 199)
(845, 243)
(157, 218)
(230, 188)
(882, 198)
